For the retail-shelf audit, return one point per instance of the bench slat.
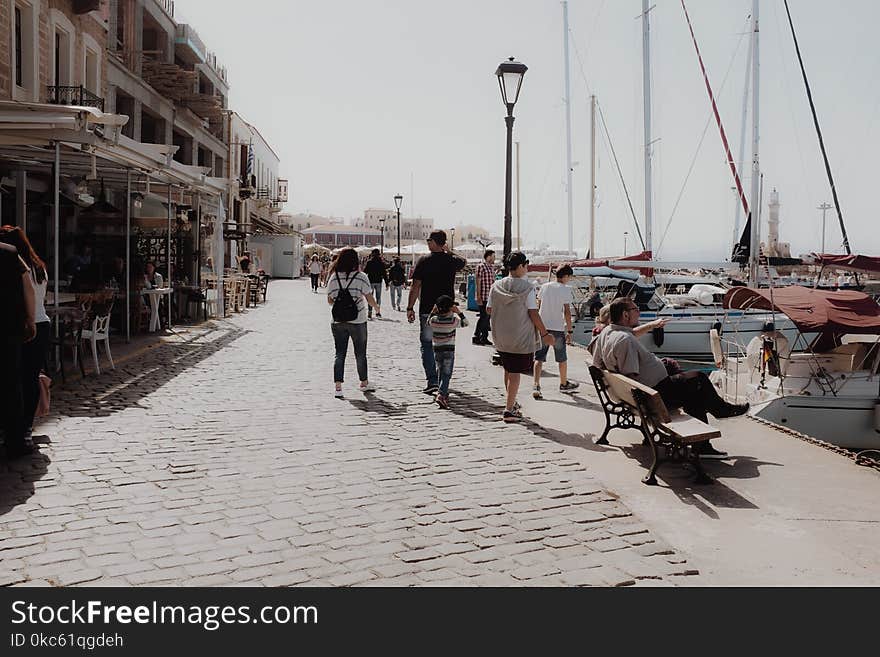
(621, 387)
(689, 429)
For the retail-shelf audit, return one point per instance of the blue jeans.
(426, 337)
(342, 331)
(396, 295)
(377, 295)
(445, 359)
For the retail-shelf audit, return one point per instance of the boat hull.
(843, 421)
(686, 335)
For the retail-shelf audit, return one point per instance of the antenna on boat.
(591, 253)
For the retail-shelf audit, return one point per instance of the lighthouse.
(774, 246)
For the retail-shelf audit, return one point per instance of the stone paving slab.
(222, 458)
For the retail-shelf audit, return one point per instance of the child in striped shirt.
(445, 318)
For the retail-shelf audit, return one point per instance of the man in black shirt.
(16, 326)
(433, 276)
(376, 272)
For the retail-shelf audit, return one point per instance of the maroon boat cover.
(812, 310)
(857, 262)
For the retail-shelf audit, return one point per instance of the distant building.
(334, 236)
(303, 221)
(410, 229)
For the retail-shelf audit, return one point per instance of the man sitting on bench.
(616, 349)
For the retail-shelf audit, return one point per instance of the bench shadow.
(116, 390)
(575, 401)
(678, 477)
(17, 479)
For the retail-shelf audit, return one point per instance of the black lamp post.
(382, 235)
(398, 200)
(510, 75)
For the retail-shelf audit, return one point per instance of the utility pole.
(824, 207)
(568, 163)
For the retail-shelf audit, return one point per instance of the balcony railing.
(68, 95)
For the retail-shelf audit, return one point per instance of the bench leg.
(700, 477)
(603, 439)
(650, 479)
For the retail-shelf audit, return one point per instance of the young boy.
(445, 318)
(517, 328)
(554, 306)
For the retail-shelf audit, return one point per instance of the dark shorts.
(517, 363)
(559, 350)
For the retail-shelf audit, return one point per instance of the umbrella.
(312, 249)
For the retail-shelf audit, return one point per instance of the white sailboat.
(691, 316)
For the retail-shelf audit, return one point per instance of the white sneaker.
(368, 388)
(338, 393)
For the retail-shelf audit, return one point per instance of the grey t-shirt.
(616, 349)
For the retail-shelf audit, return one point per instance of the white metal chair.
(100, 331)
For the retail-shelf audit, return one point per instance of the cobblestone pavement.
(222, 458)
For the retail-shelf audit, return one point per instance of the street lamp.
(625, 233)
(382, 236)
(452, 243)
(398, 200)
(510, 75)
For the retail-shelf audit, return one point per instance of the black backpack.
(345, 308)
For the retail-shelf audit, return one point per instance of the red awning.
(857, 262)
(812, 310)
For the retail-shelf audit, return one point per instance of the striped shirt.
(485, 278)
(443, 328)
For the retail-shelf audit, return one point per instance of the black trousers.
(693, 392)
(33, 358)
(314, 278)
(481, 332)
(11, 402)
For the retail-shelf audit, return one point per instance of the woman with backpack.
(349, 293)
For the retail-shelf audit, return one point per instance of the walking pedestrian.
(349, 293)
(377, 273)
(554, 307)
(445, 318)
(397, 276)
(485, 278)
(16, 328)
(315, 268)
(33, 352)
(433, 276)
(517, 328)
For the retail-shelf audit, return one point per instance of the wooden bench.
(629, 404)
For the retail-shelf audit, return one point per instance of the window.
(24, 53)
(18, 49)
(91, 79)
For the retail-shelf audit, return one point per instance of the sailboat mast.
(742, 141)
(568, 165)
(646, 93)
(754, 235)
(592, 252)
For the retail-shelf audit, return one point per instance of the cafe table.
(154, 294)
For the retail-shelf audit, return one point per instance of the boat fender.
(657, 334)
(718, 327)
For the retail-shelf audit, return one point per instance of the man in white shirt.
(554, 307)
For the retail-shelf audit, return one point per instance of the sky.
(365, 99)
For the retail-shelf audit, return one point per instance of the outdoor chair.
(99, 329)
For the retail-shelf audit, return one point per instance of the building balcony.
(188, 43)
(69, 95)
